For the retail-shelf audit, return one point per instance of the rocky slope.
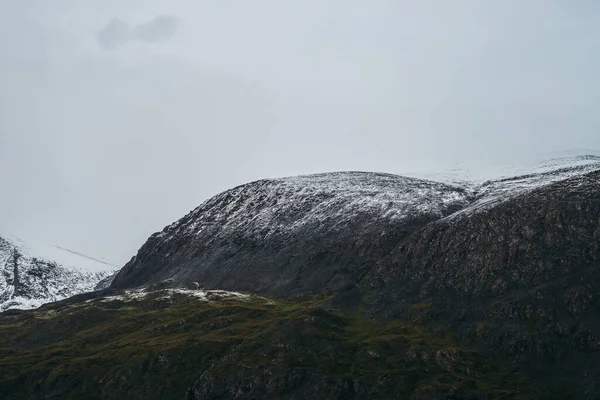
(322, 232)
(313, 233)
(520, 277)
(27, 280)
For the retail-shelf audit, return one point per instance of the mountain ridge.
(392, 203)
(267, 215)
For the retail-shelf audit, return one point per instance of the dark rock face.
(316, 233)
(548, 235)
(521, 278)
(105, 282)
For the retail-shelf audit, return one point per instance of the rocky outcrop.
(105, 282)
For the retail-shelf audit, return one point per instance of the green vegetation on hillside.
(181, 347)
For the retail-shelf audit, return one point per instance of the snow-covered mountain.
(263, 235)
(35, 274)
(474, 172)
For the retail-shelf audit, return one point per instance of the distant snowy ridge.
(503, 188)
(69, 258)
(28, 280)
(489, 186)
(476, 172)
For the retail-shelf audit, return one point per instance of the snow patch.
(165, 294)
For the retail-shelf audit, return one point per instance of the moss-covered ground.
(163, 348)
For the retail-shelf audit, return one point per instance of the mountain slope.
(313, 233)
(28, 281)
(317, 233)
(520, 277)
(511, 264)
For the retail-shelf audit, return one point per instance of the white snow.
(490, 186)
(478, 171)
(41, 280)
(203, 295)
(331, 200)
(63, 256)
(285, 205)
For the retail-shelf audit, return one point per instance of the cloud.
(119, 32)
(114, 34)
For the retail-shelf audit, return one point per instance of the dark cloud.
(114, 34)
(119, 32)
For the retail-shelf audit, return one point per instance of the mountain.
(517, 272)
(28, 279)
(321, 233)
(509, 263)
(350, 285)
(316, 233)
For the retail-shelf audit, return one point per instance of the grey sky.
(117, 118)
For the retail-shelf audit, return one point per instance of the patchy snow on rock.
(239, 233)
(489, 186)
(501, 189)
(28, 280)
(285, 205)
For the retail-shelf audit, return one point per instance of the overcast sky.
(118, 117)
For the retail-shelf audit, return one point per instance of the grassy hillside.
(176, 345)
